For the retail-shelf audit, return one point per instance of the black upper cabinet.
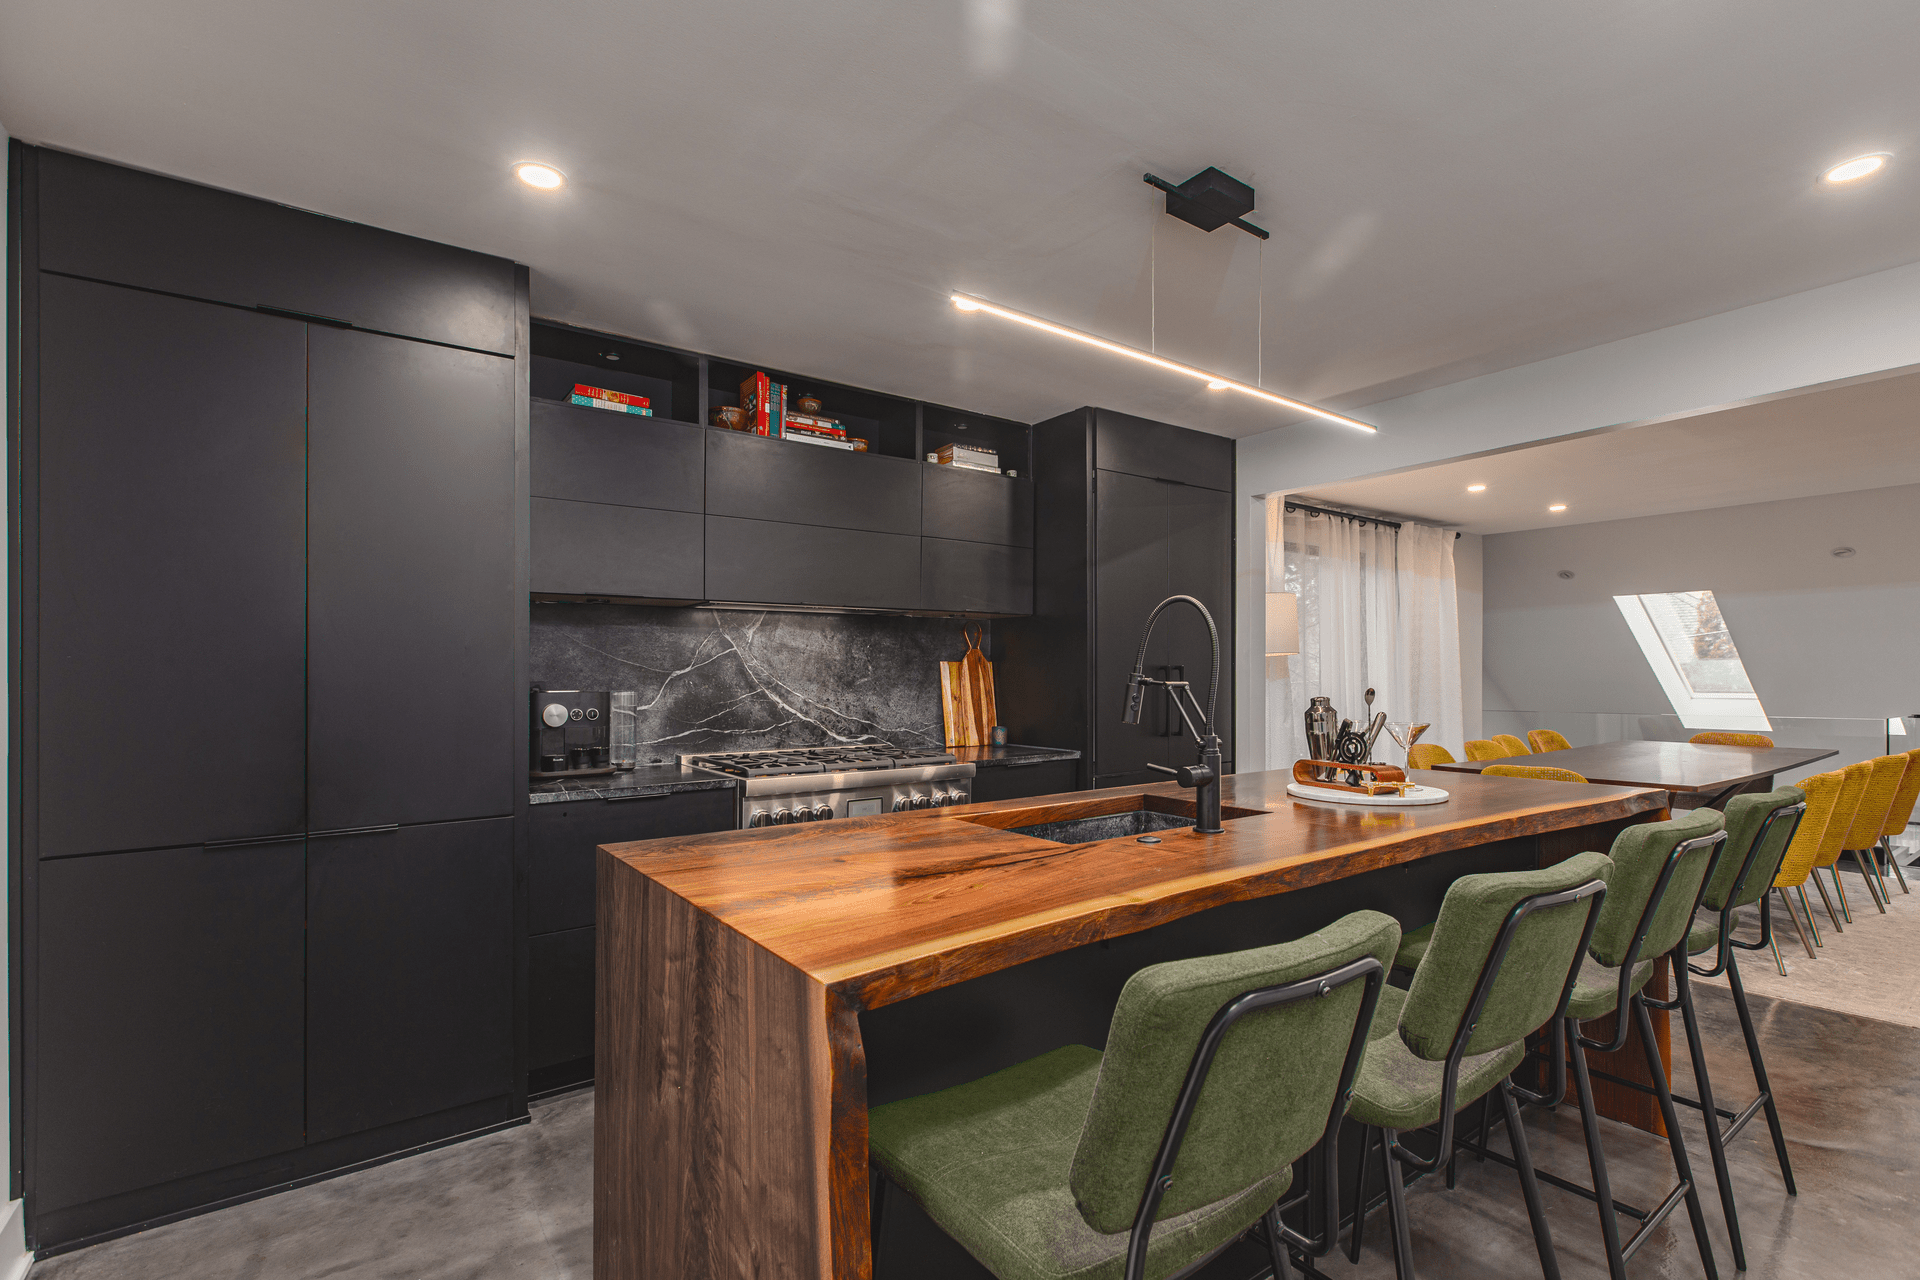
(616, 553)
(171, 610)
(755, 478)
(109, 223)
(591, 455)
(760, 562)
(413, 712)
(409, 973)
(1141, 447)
(169, 1017)
(973, 506)
(975, 577)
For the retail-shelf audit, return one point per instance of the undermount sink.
(1106, 826)
(1114, 817)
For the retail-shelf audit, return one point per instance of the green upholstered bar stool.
(1501, 963)
(1759, 828)
(1146, 1161)
(1660, 872)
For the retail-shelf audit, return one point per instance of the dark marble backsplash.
(734, 680)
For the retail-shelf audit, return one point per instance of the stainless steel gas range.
(814, 784)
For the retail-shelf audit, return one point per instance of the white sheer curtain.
(1377, 610)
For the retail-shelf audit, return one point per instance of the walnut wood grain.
(1671, 766)
(731, 1122)
(883, 909)
(721, 1096)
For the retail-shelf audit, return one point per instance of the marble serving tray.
(1415, 794)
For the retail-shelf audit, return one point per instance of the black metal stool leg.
(1397, 1210)
(1760, 1073)
(1716, 1145)
(1360, 1196)
(1676, 1144)
(1276, 1245)
(1529, 1186)
(1596, 1158)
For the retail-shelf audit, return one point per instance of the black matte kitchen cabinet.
(975, 506)
(167, 993)
(1127, 513)
(760, 562)
(1019, 781)
(409, 973)
(561, 873)
(975, 577)
(595, 551)
(109, 223)
(172, 556)
(413, 715)
(593, 455)
(755, 478)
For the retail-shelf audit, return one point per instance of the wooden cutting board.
(966, 696)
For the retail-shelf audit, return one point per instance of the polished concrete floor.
(519, 1203)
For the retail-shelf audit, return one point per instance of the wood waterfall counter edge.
(758, 990)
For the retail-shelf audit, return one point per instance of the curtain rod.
(1348, 515)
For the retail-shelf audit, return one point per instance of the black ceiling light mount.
(1210, 200)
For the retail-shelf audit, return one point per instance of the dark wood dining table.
(1698, 775)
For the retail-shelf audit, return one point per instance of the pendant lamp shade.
(1283, 624)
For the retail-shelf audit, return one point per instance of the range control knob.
(901, 803)
(782, 817)
(921, 802)
(760, 818)
(822, 812)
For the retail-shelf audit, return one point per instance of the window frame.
(1697, 710)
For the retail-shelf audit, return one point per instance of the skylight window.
(1691, 650)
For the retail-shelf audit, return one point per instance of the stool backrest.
(1538, 772)
(1544, 740)
(1903, 801)
(1650, 896)
(1823, 792)
(1756, 843)
(1425, 755)
(1513, 744)
(1528, 984)
(1876, 802)
(1267, 1092)
(1724, 738)
(1485, 749)
(1853, 785)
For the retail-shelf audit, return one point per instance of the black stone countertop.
(1012, 756)
(643, 780)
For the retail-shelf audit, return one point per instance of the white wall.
(1854, 329)
(1829, 643)
(1468, 574)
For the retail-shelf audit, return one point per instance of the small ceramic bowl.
(732, 417)
(809, 404)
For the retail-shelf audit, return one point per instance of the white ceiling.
(1451, 188)
(1837, 440)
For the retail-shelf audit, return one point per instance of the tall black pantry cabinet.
(268, 647)
(1127, 512)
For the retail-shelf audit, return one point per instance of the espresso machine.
(571, 732)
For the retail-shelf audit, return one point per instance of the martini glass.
(1404, 734)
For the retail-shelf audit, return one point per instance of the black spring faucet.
(1203, 777)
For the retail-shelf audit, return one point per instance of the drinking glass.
(624, 733)
(1405, 734)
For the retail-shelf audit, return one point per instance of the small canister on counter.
(999, 735)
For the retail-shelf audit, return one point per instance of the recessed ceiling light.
(1476, 488)
(1857, 168)
(1558, 506)
(610, 355)
(543, 176)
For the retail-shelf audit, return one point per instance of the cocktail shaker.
(1323, 726)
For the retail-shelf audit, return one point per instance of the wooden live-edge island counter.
(758, 990)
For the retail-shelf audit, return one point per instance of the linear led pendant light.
(1209, 200)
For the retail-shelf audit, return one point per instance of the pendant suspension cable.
(1153, 287)
(1260, 320)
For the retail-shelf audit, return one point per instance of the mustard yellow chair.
(1545, 740)
(1542, 772)
(1823, 793)
(1870, 820)
(1720, 738)
(1853, 785)
(1901, 814)
(1425, 755)
(1485, 749)
(1512, 743)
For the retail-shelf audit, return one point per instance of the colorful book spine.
(808, 422)
(779, 390)
(807, 437)
(754, 395)
(617, 397)
(593, 402)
